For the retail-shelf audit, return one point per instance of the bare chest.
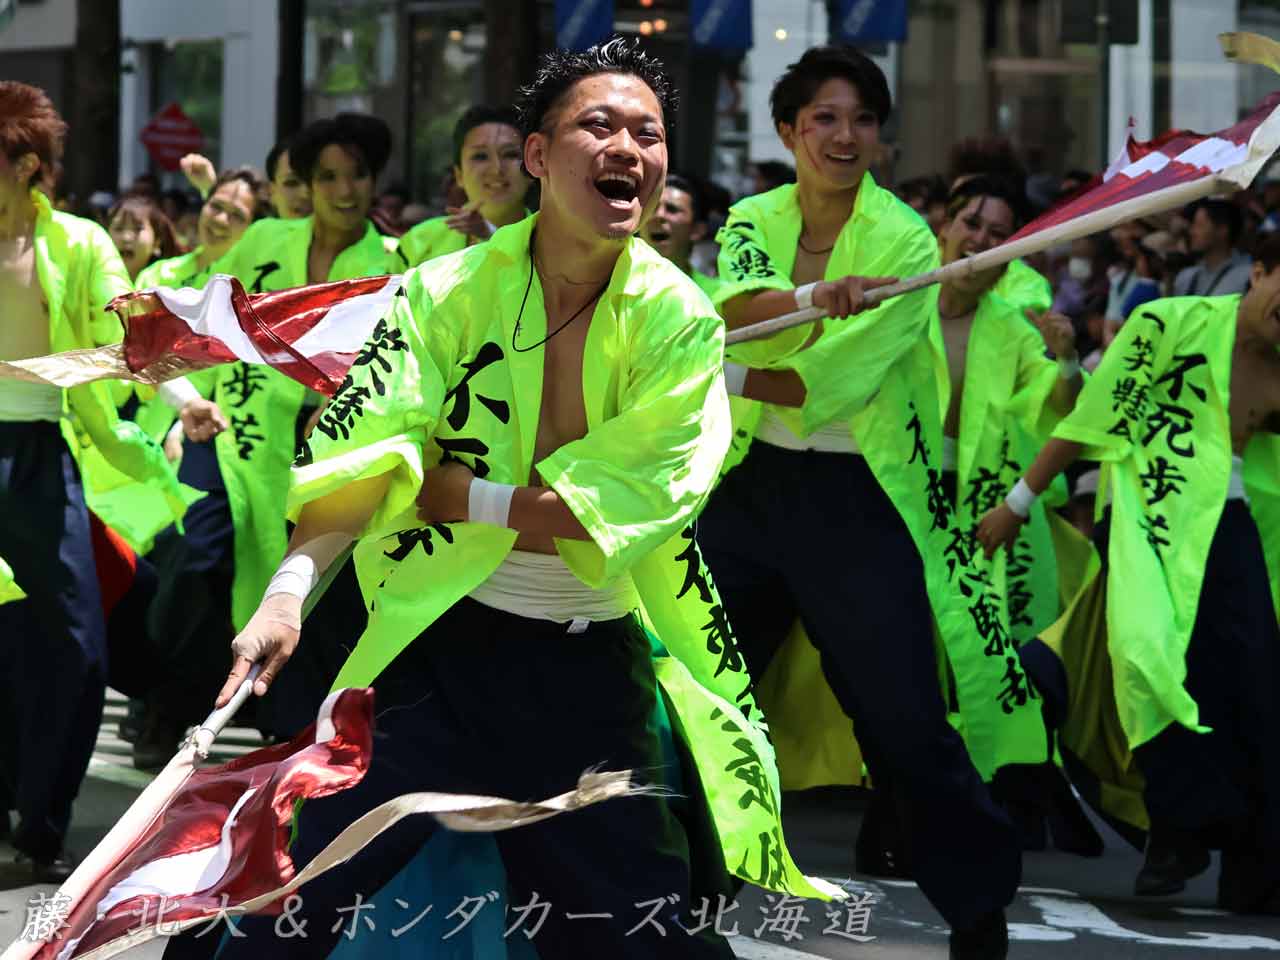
(24, 314)
(955, 338)
(562, 417)
(320, 264)
(1255, 394)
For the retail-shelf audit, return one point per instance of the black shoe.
(1249, 882)
(1168, 866)
(986, 940)
(161, 736)
(130, 727)
(55, 870)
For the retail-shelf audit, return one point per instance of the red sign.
(170, 136)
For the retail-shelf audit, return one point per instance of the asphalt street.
(1067, 907)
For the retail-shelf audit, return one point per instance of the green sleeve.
(1112, 406)
(385, 411)
(108, 279)
(745, 266)
(640, 477)
(846, 366)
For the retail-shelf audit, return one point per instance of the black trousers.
(1224, 786)
(490, 703)
(813, 536)
(189, 622)
(53, 643)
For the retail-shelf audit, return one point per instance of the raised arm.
(326, 527)
(999, 527)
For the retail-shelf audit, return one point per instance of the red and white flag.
(1164, 174)
(222, 839)
(311, 334)
(1173, 159)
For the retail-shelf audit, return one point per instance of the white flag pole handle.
(207, 732)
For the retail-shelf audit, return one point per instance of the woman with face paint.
(838, 515)
(488, 166)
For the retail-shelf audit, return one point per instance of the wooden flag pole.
(1159, 201)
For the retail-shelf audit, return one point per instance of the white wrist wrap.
(804, 296)
(735, 378)
(1020, 499)
(296, 576)
(177, 392)
(1068, 369)
(489, 502)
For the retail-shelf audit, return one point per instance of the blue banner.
(721, 25)
(871, 21)
(581, 23)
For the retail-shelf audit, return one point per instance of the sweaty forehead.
(620, 92)
(489, 135)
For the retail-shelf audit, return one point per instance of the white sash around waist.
(541, 587)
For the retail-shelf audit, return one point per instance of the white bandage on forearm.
(301, 569)
(1068, 369)
(804, 296)
(489, 502)
(735, 379)
(1020, 499)
(176, 393)
(296, 576)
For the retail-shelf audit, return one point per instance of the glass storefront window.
(446, 52)
(189, 73)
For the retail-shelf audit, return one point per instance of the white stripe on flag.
(348, 324)
(1215, 154)
(1153, 162)
(170, 877)
(209, 313)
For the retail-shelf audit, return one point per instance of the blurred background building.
(1051, 75)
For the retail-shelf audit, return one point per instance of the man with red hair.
(57, 272)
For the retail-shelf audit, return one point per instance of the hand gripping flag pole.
(1164, 174)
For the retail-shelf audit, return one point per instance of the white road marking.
(749, 949)
(1085, 917)
(1024, 932)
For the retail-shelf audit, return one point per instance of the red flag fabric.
(222, 840)
(1173, 158)
(311, 334)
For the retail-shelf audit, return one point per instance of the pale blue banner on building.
(721, 25)
(581, 23)
(871, 21)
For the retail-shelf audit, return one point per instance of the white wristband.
(1020, 499)
(804, 296)
(297, 576)
(177, 392)
(735, 378)
(489, 502)
(1069, 369)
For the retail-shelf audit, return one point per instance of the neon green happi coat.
(80, 272)
(176, 272)
(1024, 286)
(885, 373)
(1155, 413)
(440, 376)
(428, 240)
(1005, 418)
(9, 589)
(262, 405)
